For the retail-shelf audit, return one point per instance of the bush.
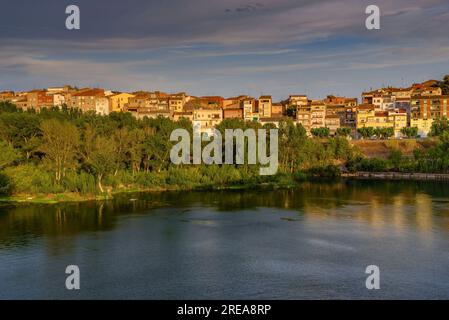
(372, 165)
(329, 172)
(5, 185)
(29, 178)
(82, 182)
(150, 179)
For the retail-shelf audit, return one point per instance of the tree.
(395, 157)
(410, 132)
(291, 141)
(8, 155)
(366, 132)
(343, 132)
(6, 106)
(320, 132)
(291, 111)
(60, 146)
(103, 158)
(21, 130)
(444, 85)
(5, 185)
(384, 133)
(439, 126)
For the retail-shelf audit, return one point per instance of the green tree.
(8, 155)
(103, 158)
(410, 132)
(439, 126)
(320, 132)
(366, 132)
(444, 85)
(60, 146)
(343, 132)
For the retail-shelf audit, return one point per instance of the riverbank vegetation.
(65, 151)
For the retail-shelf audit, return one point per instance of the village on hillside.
(391, 110)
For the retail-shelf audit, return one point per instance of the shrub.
(28, 178)
(5, 185)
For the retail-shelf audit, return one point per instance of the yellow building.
(318, 114)
(117, 102)
(367, 117)
(304, 117)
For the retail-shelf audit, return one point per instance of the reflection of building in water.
(423, 213)
(399, 212)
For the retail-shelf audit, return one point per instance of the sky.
(227, 47)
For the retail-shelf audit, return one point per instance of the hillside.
(382, 148)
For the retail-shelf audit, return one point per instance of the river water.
(311, 242)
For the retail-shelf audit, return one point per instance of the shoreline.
(43, 198)
(397, 176)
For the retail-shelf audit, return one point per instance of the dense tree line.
(66, 150)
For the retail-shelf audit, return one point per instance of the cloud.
(204, 45)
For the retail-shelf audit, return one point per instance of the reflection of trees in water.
(377, 202)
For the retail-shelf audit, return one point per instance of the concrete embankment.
(398, 176)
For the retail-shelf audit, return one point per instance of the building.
(138, 100)
(423, 109)
(297, 100)
(149, 113)
(265, 104)
(37, 100)
(277, 110)
(304, 117)
(399, 117)
(368, 116)
(250, 111)
(273, 120)
(207, 118)
(102, 106)
(211, 102)
(333, 123)
(86, 99)
(347, 102)
(183, 115)
(317, 114)
(233, 113)
(176, 102)
(7, 96)
(118, 101)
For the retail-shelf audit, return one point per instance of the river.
(310, 242)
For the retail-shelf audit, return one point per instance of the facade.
(36, 99)
(423, 109)
(183, 115)
(233, 113)
(7, 96)
(176, 102)
(207, 118)
(277, 110)
(102, 106)
(333, 123)
(118, 101)
(304, 117)
(317, 114)
(298, 100)
(368, 116)
(86, 100)
(265, 104)
(58, 99)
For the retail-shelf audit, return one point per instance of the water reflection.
(379, 204)
(313, 241)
